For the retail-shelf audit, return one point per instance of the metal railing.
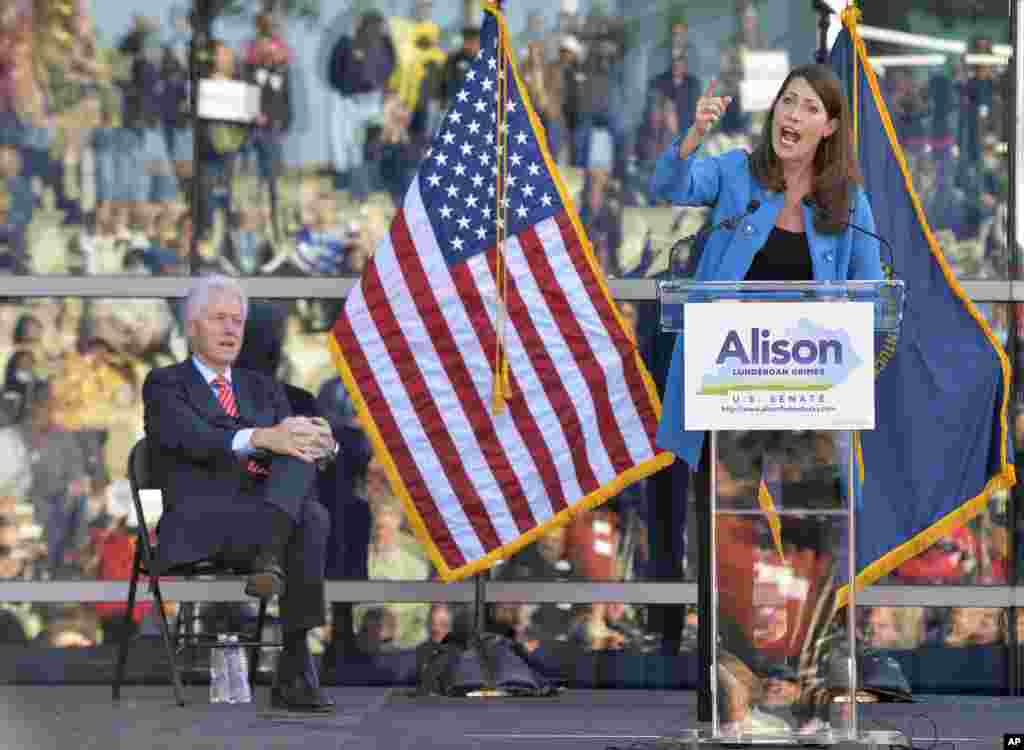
(496, 592)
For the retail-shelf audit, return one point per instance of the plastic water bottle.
(238, 672)
(220, 687)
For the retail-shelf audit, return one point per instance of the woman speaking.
(804, 186)
(782, 213)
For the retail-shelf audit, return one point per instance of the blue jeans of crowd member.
(555, 134)
(66, 529)
(268, 149)
(13, 232)
(396, 170)
(36, 162)
(15, 260)
(34, 147)
(179, 143)
(151, 177)
(585, 128)
(216, 190)
(269, 152)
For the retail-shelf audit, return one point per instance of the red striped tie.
(226, 399)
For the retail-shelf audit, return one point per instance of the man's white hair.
(199, 295)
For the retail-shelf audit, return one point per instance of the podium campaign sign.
(779, 366)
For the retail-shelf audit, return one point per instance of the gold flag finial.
(851, 15)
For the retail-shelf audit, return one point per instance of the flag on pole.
(487, 359)
(941, 445)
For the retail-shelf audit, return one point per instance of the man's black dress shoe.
(266, 579)
(297, 694)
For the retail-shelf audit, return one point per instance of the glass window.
(979, 552)
(919, 650)
(581, 645)
(933, 649)
(20, 622)
(95, 142)
(952, 114)
(100, 177)
(96, 178)
(72, 410)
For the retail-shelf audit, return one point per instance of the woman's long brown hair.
(835, 167)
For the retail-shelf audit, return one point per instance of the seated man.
(237, 471)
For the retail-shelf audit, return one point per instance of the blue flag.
(942, 443)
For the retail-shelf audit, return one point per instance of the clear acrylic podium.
(782, 667)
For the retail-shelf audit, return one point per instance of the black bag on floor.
(488, 662)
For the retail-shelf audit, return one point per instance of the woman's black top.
(786, 256)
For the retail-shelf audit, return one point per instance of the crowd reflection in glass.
(97, 177)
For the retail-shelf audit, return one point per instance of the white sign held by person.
(763, 74)
(232, 101)
(779, 366)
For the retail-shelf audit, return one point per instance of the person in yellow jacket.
(416, 78)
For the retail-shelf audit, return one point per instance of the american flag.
(443, 303)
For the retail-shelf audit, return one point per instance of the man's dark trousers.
(214, 509)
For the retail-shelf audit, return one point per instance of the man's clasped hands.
(305, 438)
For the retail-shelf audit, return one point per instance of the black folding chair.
(184, 636)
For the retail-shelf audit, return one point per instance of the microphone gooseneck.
(824, 213)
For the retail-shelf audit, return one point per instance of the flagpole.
(479, 589)
(449, 668)
(201, 19)
(480, 580)
(1012, 349)
(824, 12)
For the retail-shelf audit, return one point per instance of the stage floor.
(84, 718)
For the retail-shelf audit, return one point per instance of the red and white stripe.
(419, 338)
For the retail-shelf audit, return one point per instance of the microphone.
(729, 223)
(824, 213)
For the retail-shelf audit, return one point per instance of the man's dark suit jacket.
(207, 494)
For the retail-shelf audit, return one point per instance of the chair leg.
(180, 640)
(187, 617)
(126, 629)
(254, 662)
(179, 693)
(197, 631)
